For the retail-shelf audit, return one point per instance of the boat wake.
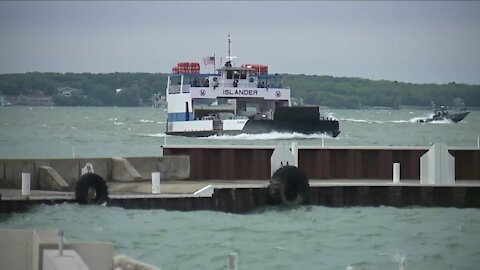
(362, 121)
(411, 120)
(146, 121)
(423, 120)
(268, 136)
(157, 135)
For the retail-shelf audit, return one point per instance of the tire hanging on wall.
(288, 186)
(91, 189)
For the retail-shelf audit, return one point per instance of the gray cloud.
(405, 41)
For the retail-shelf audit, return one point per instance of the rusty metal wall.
(325, 163)
(244, 200)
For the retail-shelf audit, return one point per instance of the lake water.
(36, 132)
(271, 238)
(299, 238)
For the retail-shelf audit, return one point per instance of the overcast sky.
(405, 41)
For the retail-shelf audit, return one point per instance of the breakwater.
(238, 177)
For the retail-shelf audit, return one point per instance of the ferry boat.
(235, 100)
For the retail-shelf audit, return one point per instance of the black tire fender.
(289, 186)
(91, 189)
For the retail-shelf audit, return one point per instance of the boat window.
(186, 88)
(229, 74)
(174, 89)
(236, 76)
(243, 74)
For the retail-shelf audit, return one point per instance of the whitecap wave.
(422, 119)
(362, 121)
(269, 136)
(411, 120)
(444, 121)
(155, 135)
(146, 121)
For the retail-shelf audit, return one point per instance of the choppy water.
(272, 238)
(36, 132)
(300, 238)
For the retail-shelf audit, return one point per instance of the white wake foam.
(155, 135)
(146, 121)
(268, 136)
(362, 121)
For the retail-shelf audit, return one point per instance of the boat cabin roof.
(235, 68)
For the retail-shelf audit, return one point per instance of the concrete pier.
(239, 176)
(248, 195)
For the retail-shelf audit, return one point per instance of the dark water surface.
(49, 132)
(299, 238)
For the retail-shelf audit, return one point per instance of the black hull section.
(297, 119)
(329, 127)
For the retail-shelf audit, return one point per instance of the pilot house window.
(243, 74)
(236, 76)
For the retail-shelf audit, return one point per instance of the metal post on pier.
(478, 141)
(26, 182)
(155, 182)
(73, 151)
(233, 261)
(396, 173)
(402, 264)
(60, 242)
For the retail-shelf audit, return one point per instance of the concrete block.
(97, 255)
(68, 169)
(174, 167)
(70, 260)
(437, 166)
(38, 163)
(145, 166)
(101, 167)
(16, 249)
(170, 167)
(14, 169)
(39, 240)
(122, 170)
(24, 249)
(49, 179)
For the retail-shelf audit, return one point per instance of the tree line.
(138, 88)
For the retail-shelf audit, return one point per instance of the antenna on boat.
(229, 42)
(229, 57)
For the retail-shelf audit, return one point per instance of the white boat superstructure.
(221, 103)
(234, 100)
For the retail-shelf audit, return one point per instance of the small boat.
(443, 114)
(235, 100)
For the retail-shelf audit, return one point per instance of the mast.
(228, 63)
(229, 41)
